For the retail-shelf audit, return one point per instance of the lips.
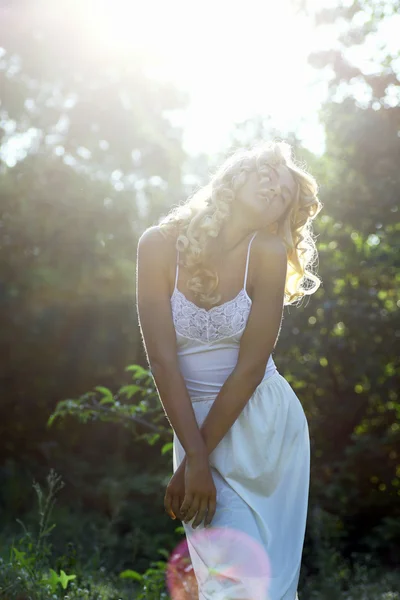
(264, 196)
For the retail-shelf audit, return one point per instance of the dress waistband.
(208, 397)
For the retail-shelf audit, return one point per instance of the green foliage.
(104, 163)
(136, 406)
(152, 581)
(360, 24)
(340, 582)
(327, 575)
(27, 571)
(28, 568)
(349, 348)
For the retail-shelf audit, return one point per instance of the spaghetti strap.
(247, 261)
(177, 268)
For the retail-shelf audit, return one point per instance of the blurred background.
(110, 113)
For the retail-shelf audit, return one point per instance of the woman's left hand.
(175, 492)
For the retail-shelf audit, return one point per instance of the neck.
(232, 233)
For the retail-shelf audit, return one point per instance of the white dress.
(261, 468)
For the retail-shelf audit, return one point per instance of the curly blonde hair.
(193, 223)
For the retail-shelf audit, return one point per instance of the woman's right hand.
(200, 499)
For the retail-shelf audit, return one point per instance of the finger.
(187, 501)
(175, 504)
(201, 513)
(180, 504)
(168, 504)
(212, 506)
(194, 507)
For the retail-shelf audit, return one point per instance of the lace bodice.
(213, 325)
(208, 340)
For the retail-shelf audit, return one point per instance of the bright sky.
(236, 60)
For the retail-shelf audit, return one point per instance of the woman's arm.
(159, 338)
(257, 342)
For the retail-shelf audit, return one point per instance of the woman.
(212, 281)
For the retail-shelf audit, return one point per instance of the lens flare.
(220, 567)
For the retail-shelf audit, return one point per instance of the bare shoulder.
(156, 258)
(153, 239)
(155, 248)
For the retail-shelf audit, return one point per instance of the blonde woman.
(212, 280)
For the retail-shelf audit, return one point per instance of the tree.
(353, 400)
(90, 158)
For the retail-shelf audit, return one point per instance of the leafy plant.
(101, 404)
(152, 581)
(27, 570)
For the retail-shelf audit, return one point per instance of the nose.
(265, 185)
(264, 191)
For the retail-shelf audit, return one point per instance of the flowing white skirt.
(261, 468)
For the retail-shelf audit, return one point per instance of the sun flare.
(233, 63)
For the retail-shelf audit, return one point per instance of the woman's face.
(264, 198)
